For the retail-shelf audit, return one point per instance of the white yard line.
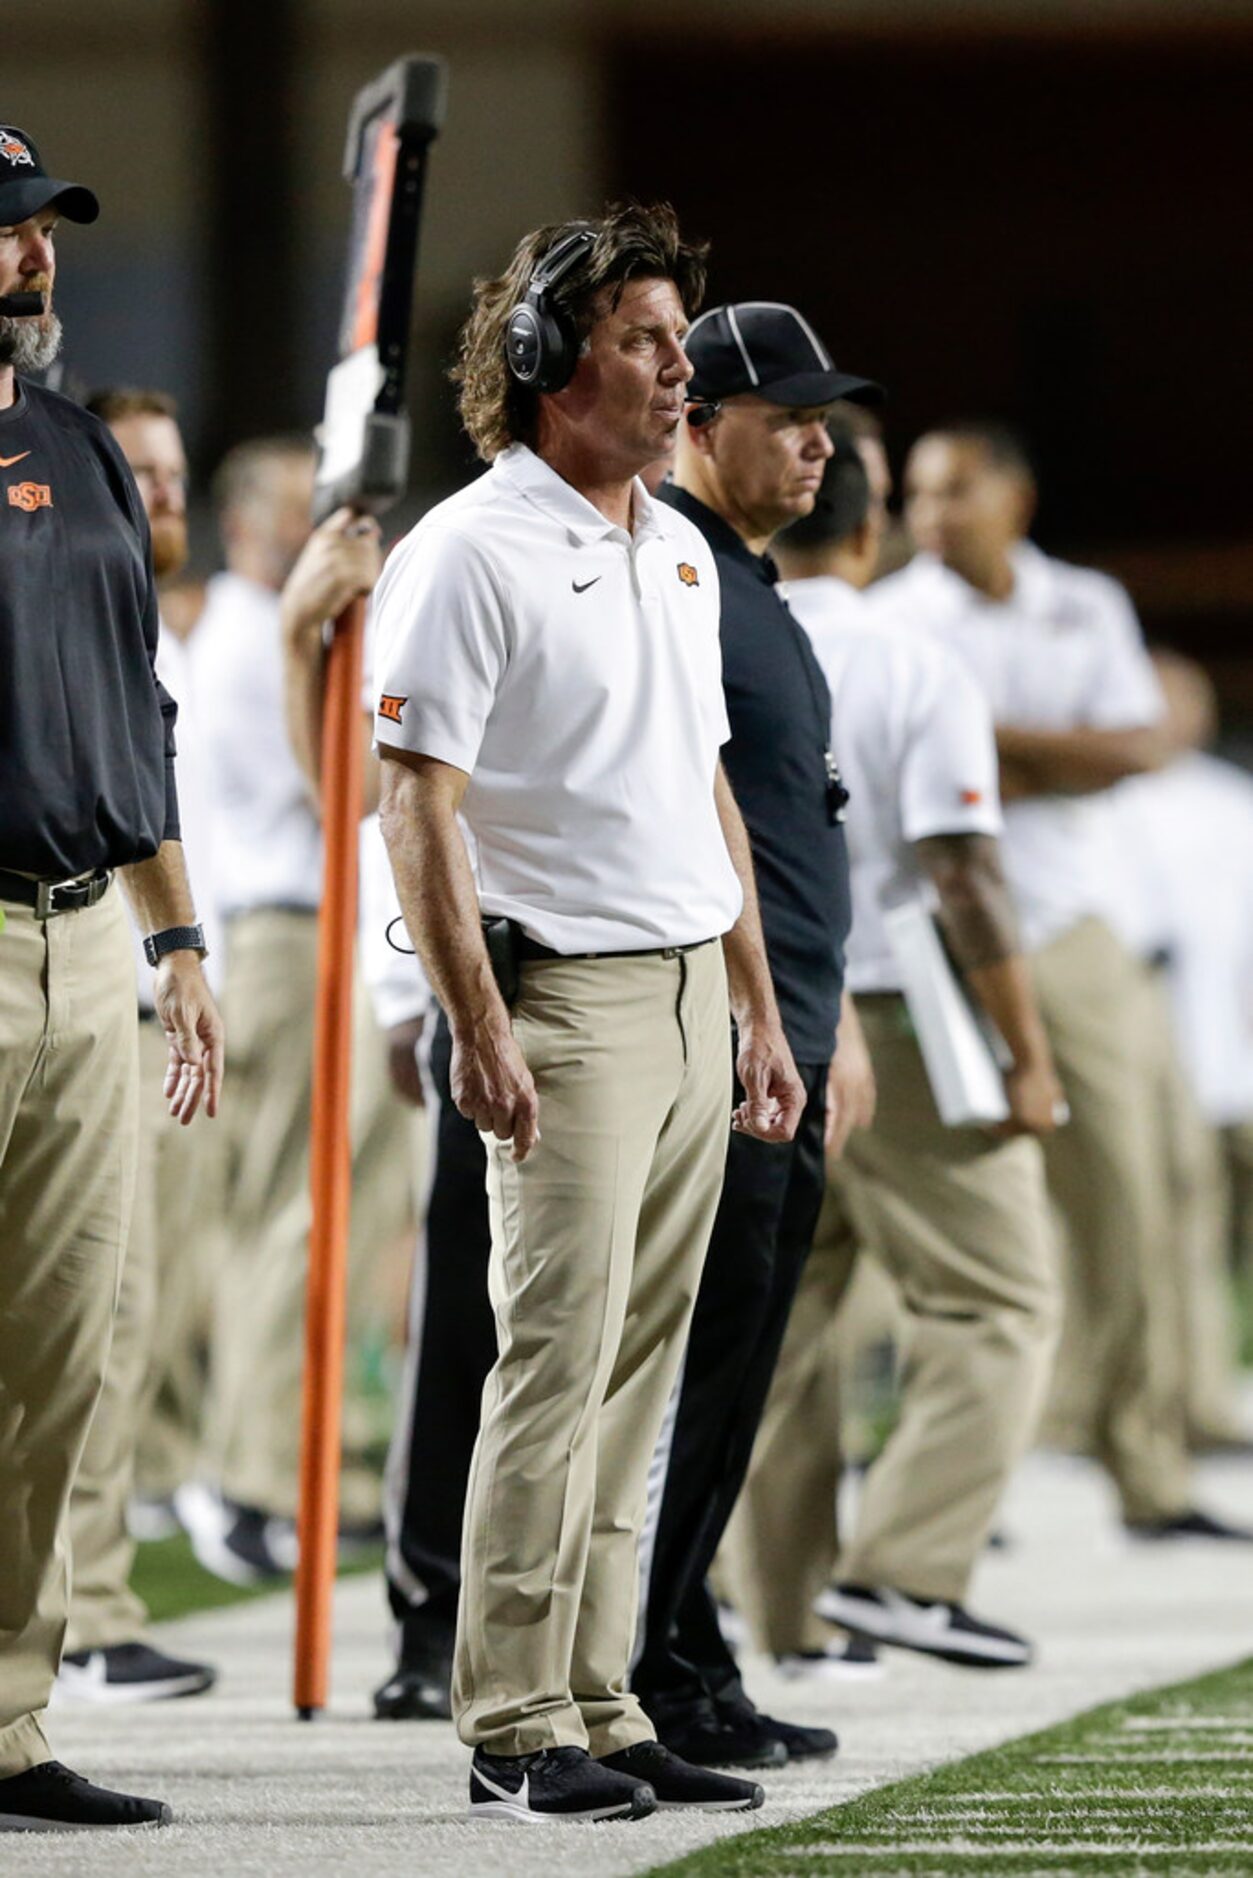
(259, 1795)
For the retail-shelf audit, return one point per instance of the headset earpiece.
(541, 345)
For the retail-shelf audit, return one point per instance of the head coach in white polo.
(549, 669)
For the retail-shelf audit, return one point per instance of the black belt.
(532, 949)
(50, 897)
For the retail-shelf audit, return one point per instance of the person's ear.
(1028, 503)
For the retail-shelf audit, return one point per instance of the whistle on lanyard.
(837, 794)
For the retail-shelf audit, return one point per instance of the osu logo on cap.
(14, 149)
(971, 796)
(30, 496)
(390, 707)
(688, 574)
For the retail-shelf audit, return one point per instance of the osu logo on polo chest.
(30, 496)
(688, 574)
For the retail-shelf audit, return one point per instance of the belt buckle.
(82, 893)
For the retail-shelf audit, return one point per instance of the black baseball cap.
(26, 187)
(769, 349)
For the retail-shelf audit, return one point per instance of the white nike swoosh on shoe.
(522, 1798)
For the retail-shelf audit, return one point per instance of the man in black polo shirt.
(86, 787)
(750, 462)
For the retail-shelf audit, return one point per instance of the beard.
(30, 345)
(169, 545)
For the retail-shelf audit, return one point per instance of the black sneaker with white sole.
(703, 1735)
(799, 1743)
(50, 1798)
(852, 1659)
(555, 1783)
(678, 1783)
(243, 1545)
(415, 1691)
(128, 1672)
(1192, 1524)
(929, 1625)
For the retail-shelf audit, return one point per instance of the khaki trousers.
(597, 1244)
(1122, 1372)
(258, 1331)
(161, 1284)
(67, 1154)
(959, 1220)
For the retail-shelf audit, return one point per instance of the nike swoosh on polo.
(586, 584)
(7, 462)
(522, 1797)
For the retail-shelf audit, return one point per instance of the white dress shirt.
(914, 741)
(1063, 652)
(573, 670)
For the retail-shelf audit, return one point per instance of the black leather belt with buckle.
(529, 948)
(50, 897)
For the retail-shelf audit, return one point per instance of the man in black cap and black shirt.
(750, 461)
(86, 787)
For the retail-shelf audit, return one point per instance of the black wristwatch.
(175, 939)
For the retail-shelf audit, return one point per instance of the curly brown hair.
(633, 242)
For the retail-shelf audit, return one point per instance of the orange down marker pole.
(330, 1164)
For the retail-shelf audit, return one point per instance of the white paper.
(351, 388)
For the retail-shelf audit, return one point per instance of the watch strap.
(174, 939)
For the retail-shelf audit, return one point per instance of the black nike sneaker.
(798, 1742)
(50, 1798)
(555, 1783)
(928, 1625)
(705, 1736)
(678, 1783)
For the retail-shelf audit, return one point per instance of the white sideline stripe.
(1161, 1725)
(972, 1849)
(1066, 1796)
(1132, 1758)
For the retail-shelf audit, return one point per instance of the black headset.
(541, 344)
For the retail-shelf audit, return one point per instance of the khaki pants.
(1121, 1372)
(258, 1331)
(960, 1222)
(162, 1282)
(597, 1244)
(67, 1154)
(1200, 1235)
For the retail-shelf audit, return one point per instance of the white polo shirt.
(1179, 875)
(267, 843)
(914, 740)
(1062, 653)
(573, 671)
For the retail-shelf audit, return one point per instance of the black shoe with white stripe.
(556, 1783)
(677, 1783)
(128, 1672)
(50, 1798)
(929, 1625)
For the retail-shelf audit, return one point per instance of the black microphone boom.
(21, 306)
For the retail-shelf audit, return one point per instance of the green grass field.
(1162, 1783)
(171, 1583)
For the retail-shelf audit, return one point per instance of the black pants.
(451, 1349)
(764, 1229)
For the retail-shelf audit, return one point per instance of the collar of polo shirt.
(1033, 591)
(582, 521)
